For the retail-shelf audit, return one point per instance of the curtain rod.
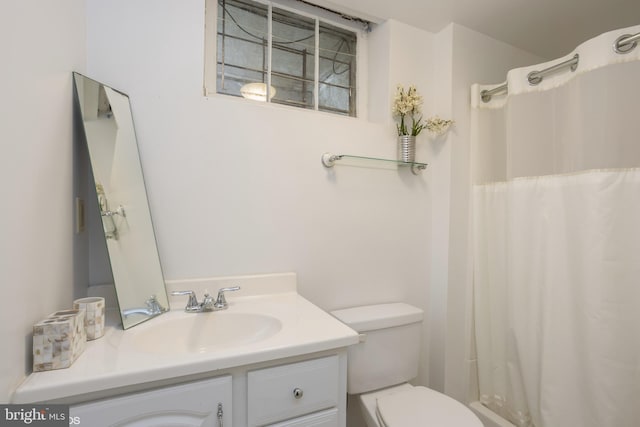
(623, 44)
(487, 94)
(626, 43)
(534, 77)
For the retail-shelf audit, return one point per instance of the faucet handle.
(221, 301)
(207, 303)
(192, 304)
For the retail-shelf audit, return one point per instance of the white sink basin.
(201, 332)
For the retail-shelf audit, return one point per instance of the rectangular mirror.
(122, 200)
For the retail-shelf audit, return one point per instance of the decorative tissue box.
(58, 340)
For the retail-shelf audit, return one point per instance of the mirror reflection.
(122, 200)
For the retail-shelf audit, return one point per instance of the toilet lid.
(420, 407)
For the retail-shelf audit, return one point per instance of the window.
(270, 53)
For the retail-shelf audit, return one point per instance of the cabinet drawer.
(328, 418)
(288, 391)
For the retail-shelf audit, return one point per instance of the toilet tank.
(389, 350)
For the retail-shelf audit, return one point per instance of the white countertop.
(114, 361)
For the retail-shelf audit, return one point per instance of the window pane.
(235, 78)
(334, 99)
(337, 69)
(293, 62)
(292, 91)
(242, 44)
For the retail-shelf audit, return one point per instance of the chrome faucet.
(153, 308)
(208, 304)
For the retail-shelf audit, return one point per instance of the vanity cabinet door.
(200, 403)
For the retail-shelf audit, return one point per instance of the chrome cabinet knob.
(298, 393)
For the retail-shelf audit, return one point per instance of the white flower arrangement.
(438, 126)
(409, 105)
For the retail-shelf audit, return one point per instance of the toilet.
(379, 367)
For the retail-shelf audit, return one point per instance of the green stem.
(402, 128)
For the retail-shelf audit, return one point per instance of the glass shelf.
(329, 160)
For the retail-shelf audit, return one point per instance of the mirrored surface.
(122, 201)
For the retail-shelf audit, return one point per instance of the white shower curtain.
(557, 243)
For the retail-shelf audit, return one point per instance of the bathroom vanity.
(304, 393)
(271, 358)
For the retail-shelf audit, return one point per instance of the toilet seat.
(420, 407)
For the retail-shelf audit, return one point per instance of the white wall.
(441, 176)
(41, 43)
(237, 187)
(411, 62)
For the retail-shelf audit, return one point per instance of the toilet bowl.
(379, 367)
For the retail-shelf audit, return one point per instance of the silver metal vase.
(407, 148)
